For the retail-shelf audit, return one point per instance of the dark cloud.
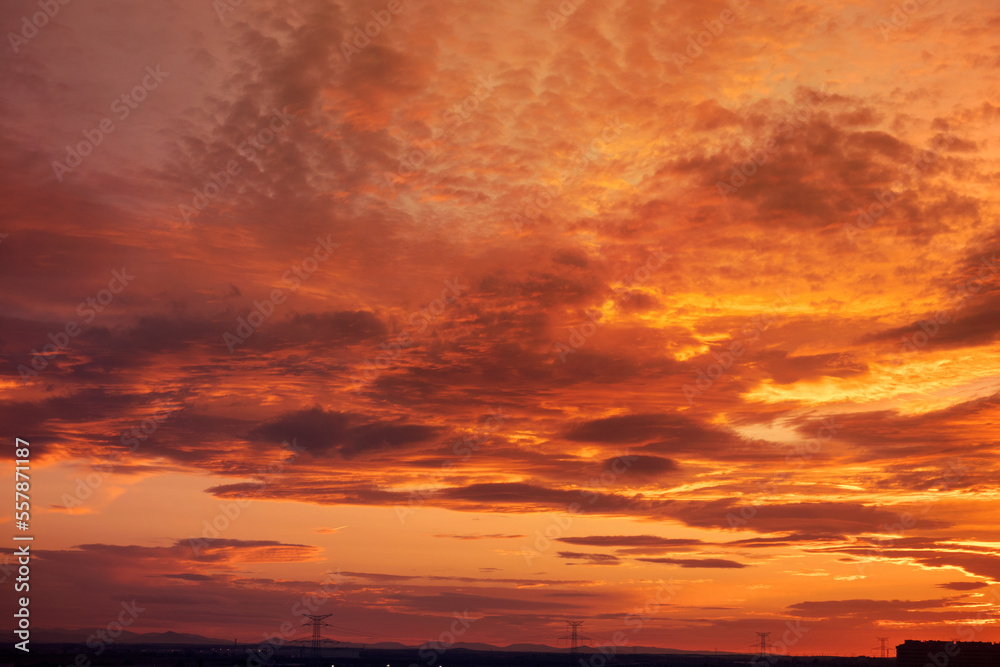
(894, 609)
(965, 322)
(644, 466)
(591, 559)
(376, 576)
(632, 428)
(631, 541)
(330, 329)
(785, 369)
(720, 563)
(495, 536)
(188, 576)
(976, 560)
(448, 602)
(791, 539)
(663, 434)
(963, 585)
(322, 433)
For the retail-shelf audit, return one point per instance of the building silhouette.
(947, 654)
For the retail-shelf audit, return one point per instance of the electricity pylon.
(762, 645)
(317, 639)
(574, 636)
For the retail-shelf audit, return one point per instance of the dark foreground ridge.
(948, 654)
(200, 655)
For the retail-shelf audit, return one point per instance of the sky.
(677, 318)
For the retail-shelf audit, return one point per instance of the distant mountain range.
(542, 648)
(63, 636)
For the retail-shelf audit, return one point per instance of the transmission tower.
(317, 622)
(574, 637)
(883, 650)
(762, 643)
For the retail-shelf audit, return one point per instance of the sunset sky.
(528, 311)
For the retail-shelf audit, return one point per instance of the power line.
(762, 645)
(355, 632)
(574, 636)
(317, 640)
